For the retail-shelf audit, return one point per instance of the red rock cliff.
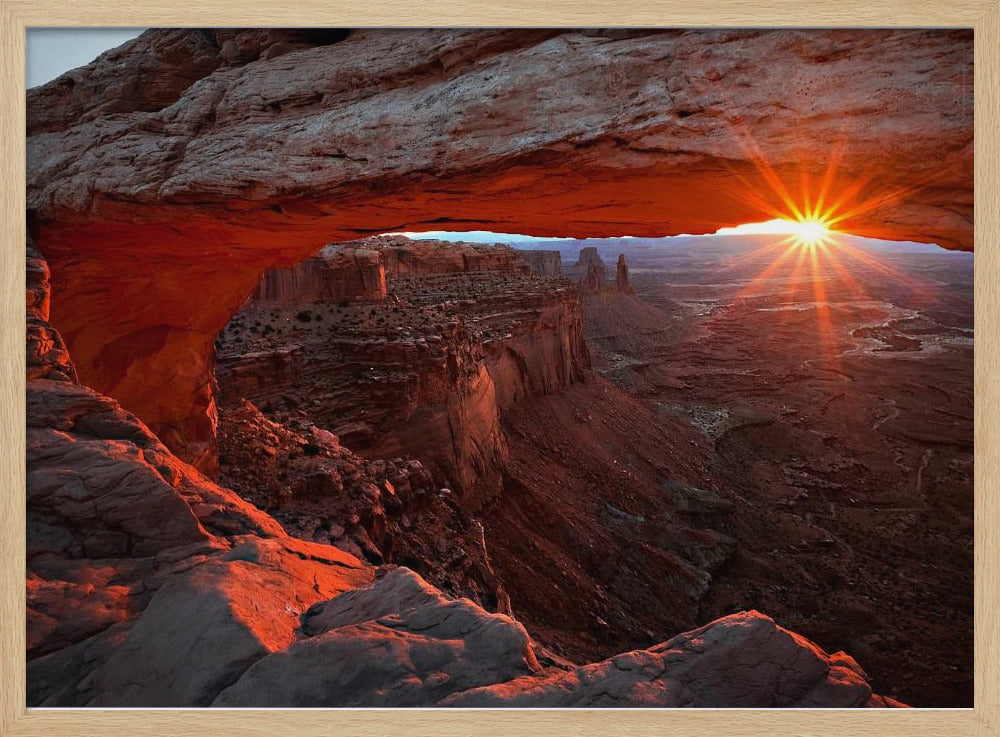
(150, 586)
(335, 274)
(406, 257)
(428, 375)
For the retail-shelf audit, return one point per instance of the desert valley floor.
(837, 398)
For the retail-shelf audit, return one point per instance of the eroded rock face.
(407, 257)
(335, 274)
(743, 660)
(546, 263)
(225, 153)
(592, 281)
(382, 510)
(398, 643)
(426, 374)
(149, 585)
(47, 357)
(588, 256)
(135, 558)
(589, 271)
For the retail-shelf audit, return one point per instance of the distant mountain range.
(517, 240)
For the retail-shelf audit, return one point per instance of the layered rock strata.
(334, 274)
(448, 373)
(404, 256)
(426, 374)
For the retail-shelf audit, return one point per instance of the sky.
(53, 51)
(768, 227)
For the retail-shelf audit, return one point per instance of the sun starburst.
(809, 233)
(811, 261)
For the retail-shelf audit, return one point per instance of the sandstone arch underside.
(160, 191)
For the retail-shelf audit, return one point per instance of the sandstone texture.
(334, 274)
(382, 510)
(403, 256)
(398, 643)
(426, 374)
(478, 379)
(546, 263)
(708, 667)
(422, 495)
(194, 160)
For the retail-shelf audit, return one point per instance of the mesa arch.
(167, 175)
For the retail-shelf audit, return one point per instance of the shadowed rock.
(546, 263)
(398, 643)
(743, 660)
(148, 585)
(593, 281)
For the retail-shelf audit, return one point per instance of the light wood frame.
(982, 721)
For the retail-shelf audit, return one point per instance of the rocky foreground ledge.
(149, 585)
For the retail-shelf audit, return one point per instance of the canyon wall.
(546, 263)
(403, 256)
(427, 374)
(333, 275)
(167, 175)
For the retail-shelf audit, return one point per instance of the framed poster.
(544, 370)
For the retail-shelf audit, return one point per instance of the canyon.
(478, 368)
(290, 457)
(149, 585)
(832, 393)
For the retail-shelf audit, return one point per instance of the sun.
(808, 233)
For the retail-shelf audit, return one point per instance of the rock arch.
(158, 212)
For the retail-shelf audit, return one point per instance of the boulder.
(744, 660)
(397, 643)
